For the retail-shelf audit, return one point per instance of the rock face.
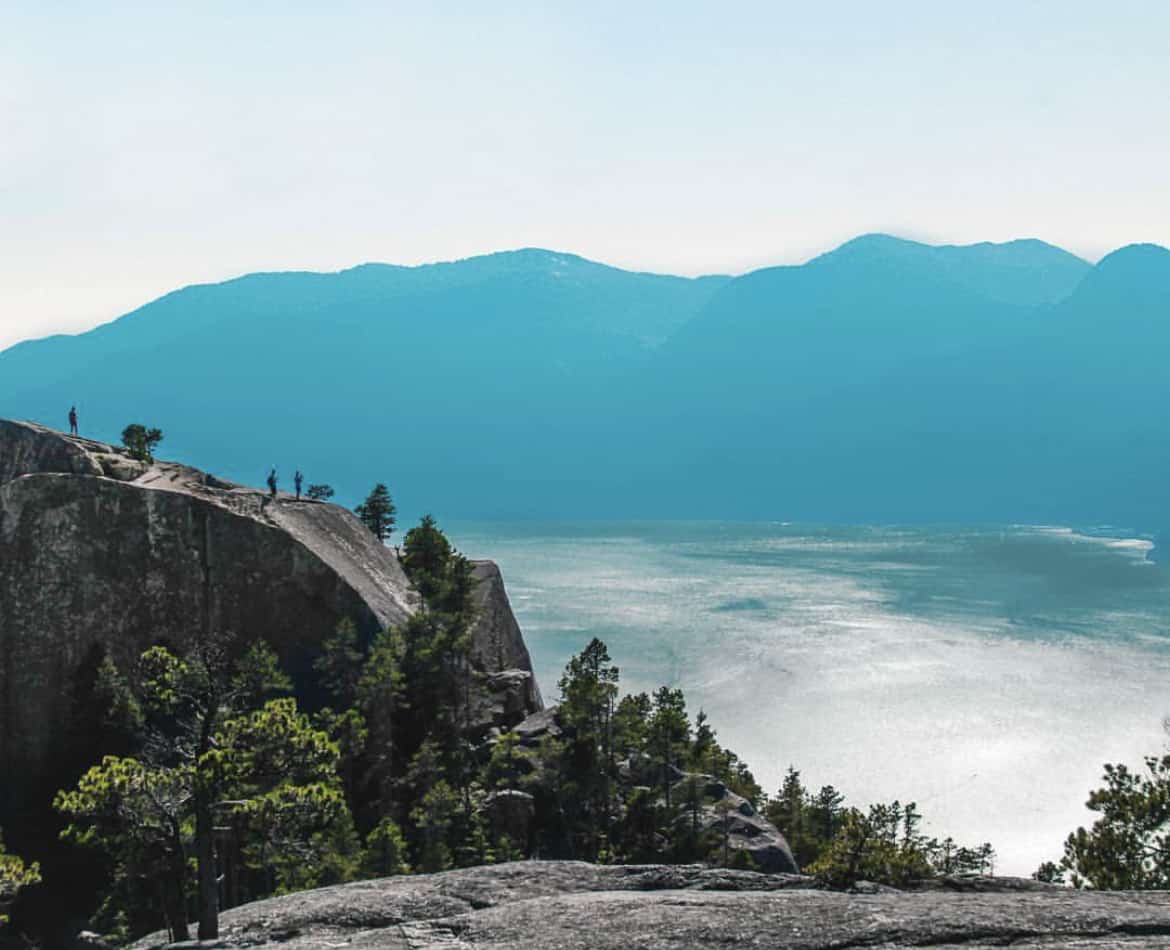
(575, 906)
(97, 549)
(500, 656)
(731, 818)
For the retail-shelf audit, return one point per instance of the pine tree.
(141, 441)
(669, 731)
(589, 688)
(385, 852)
(1128, 847)
(377, 512)
(340, 663)
(204, 744)
(789, 812)
(14, 875)
(426, 557)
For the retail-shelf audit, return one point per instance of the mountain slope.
(885, 380)
(871, 384)
(407, 371)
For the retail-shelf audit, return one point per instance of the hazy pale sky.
(143, 148)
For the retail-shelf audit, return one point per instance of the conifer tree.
(141, 441)
(1128, 847)
(669, 731)
(378, 512)
(14, 875)
(589, 688)
(204, 741)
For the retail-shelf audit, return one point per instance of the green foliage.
(210, 753)
(884, 845)
(426, 558)
(1128, 847)
(258, 676)
(823, 814)
(509, 765)
(669, 732)
(141, 441)
(377, 512)
(139, 815)
(433, 817)
(808, 822)
(629, 723)
(1049, 873)
(349, 732)
(868, 847)
(385, 852)
(589, 688)
(340, 663)
(319, 492)
(14, 874)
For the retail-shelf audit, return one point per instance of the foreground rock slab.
(570, 905)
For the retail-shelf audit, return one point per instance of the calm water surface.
(985, 673)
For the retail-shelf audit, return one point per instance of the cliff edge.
(100, 551)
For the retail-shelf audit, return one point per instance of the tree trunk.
(174, 897)
(205, 857)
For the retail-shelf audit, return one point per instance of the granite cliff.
(98, 550)
(571, 905)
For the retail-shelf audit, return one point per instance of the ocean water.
(986, 674)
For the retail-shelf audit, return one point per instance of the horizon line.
(629, 269)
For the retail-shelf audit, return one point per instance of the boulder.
(502, 699)
(535, 727)
(100, 551)
(732, 822)
(534, 905)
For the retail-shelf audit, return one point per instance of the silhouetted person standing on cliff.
(73, 420)
(272, 481)
(298, 478)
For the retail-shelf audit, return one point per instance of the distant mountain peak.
(874, 243)
(1152, 255)
(1025, 272)
(1136, 272)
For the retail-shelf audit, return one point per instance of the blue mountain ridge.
(887, 380)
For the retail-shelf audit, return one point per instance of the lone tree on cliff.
(377, 512)
(141, 441)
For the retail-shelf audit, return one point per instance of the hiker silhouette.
(298, 480)
(272, 481)
(73, 420)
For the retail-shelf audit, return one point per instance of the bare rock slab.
(567, 905)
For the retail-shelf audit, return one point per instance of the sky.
(145, 148)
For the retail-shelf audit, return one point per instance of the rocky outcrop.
(499, 655)
(706, 806)
(575, 906)
(732, 820)
(99, 550)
